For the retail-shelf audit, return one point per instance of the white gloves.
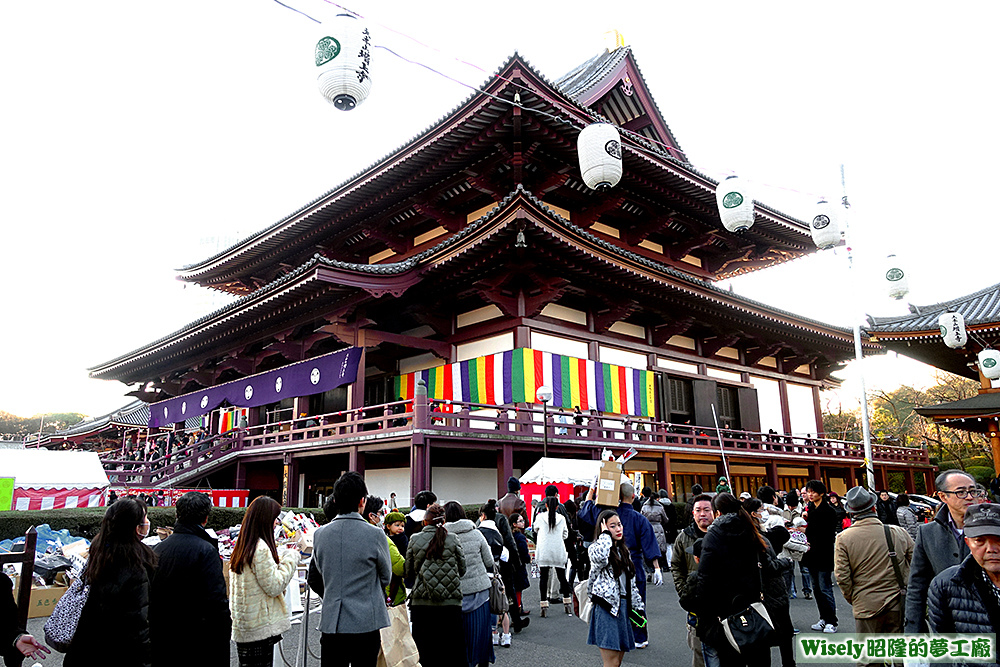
(657, 577)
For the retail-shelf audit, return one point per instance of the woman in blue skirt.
(612, 590)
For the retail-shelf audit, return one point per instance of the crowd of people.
(444, 568)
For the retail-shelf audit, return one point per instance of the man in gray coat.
(350, 569)
(940, 543)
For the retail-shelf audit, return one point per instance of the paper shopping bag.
(398, 647)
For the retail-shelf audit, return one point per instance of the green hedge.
(982, 474)
(86, 521)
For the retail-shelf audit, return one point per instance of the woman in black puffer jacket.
(114, 625)
(730, 576)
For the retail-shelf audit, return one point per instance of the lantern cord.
(298, 11)
(635, 135)
(638, 138)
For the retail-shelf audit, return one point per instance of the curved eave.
(227, 264)
(619, 258)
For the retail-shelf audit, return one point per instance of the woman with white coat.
(551, 532)
(258, 576)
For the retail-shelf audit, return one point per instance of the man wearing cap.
(512, 502)
(872, 563)
(965, 598)
(940, 543)
(684, 564)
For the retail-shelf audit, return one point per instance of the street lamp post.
(544, 394)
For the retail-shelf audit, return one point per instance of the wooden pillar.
(786, 414)
(356, 460)
(522, 337)
(995, 448)
(358, 387)
(817, 471)
(818, 408)
(417, 482)
(908, 481)
(929, 483)
(663, 476)
(241, 475)
(881, 479)
(292, 482)
(505, 467)
(772, 474)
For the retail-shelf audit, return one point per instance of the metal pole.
(545, 428)
(858, 355)
(722, 449)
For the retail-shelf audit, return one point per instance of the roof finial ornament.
(613, 40)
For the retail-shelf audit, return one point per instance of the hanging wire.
(664, 148)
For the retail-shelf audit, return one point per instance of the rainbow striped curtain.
(230, 418)
(515, 375)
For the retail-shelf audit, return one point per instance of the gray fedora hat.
(859, 500)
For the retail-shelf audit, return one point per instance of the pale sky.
(132, 131)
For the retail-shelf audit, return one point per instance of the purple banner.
(303, 378)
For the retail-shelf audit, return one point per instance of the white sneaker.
(830, 629)
(642, 644)
(818, 625)
(496, 638)
(505, 640)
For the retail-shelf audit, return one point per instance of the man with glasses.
(940, 543)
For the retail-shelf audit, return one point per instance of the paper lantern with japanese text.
(735, 204)
(599, 148)
(989, 363)
(953, 329)
(825, 225)
(895, 277)
(343, 59)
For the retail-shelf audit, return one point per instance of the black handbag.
(750, 629)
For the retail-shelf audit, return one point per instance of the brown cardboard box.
(43, 600)
(609, 483)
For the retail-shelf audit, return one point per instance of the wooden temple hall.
(403, 323)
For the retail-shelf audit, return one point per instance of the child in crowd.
(796, 547)
(394, 525)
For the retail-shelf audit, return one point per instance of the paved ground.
(561, 641)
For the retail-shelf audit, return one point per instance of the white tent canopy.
(44, 469)
(578, 472)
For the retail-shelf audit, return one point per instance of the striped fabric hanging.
(514, 376)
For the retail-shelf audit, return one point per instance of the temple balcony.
(404, 424)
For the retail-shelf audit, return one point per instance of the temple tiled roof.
(289, 225)
(411, 263)
(978, 308)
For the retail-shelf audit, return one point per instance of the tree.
(894, 421)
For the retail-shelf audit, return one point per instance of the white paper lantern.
(895, 277)
(825, 225)
(735, 204)
(953, 329)
(343, 61)
(599, 148)
(989, 363)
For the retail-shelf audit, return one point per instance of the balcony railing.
(400, 419)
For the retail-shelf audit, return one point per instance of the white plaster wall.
(558, 345)
(802, 409)
(619, 357)
(468, 486)
(769, 403)
(485, 346)
(381, 483)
